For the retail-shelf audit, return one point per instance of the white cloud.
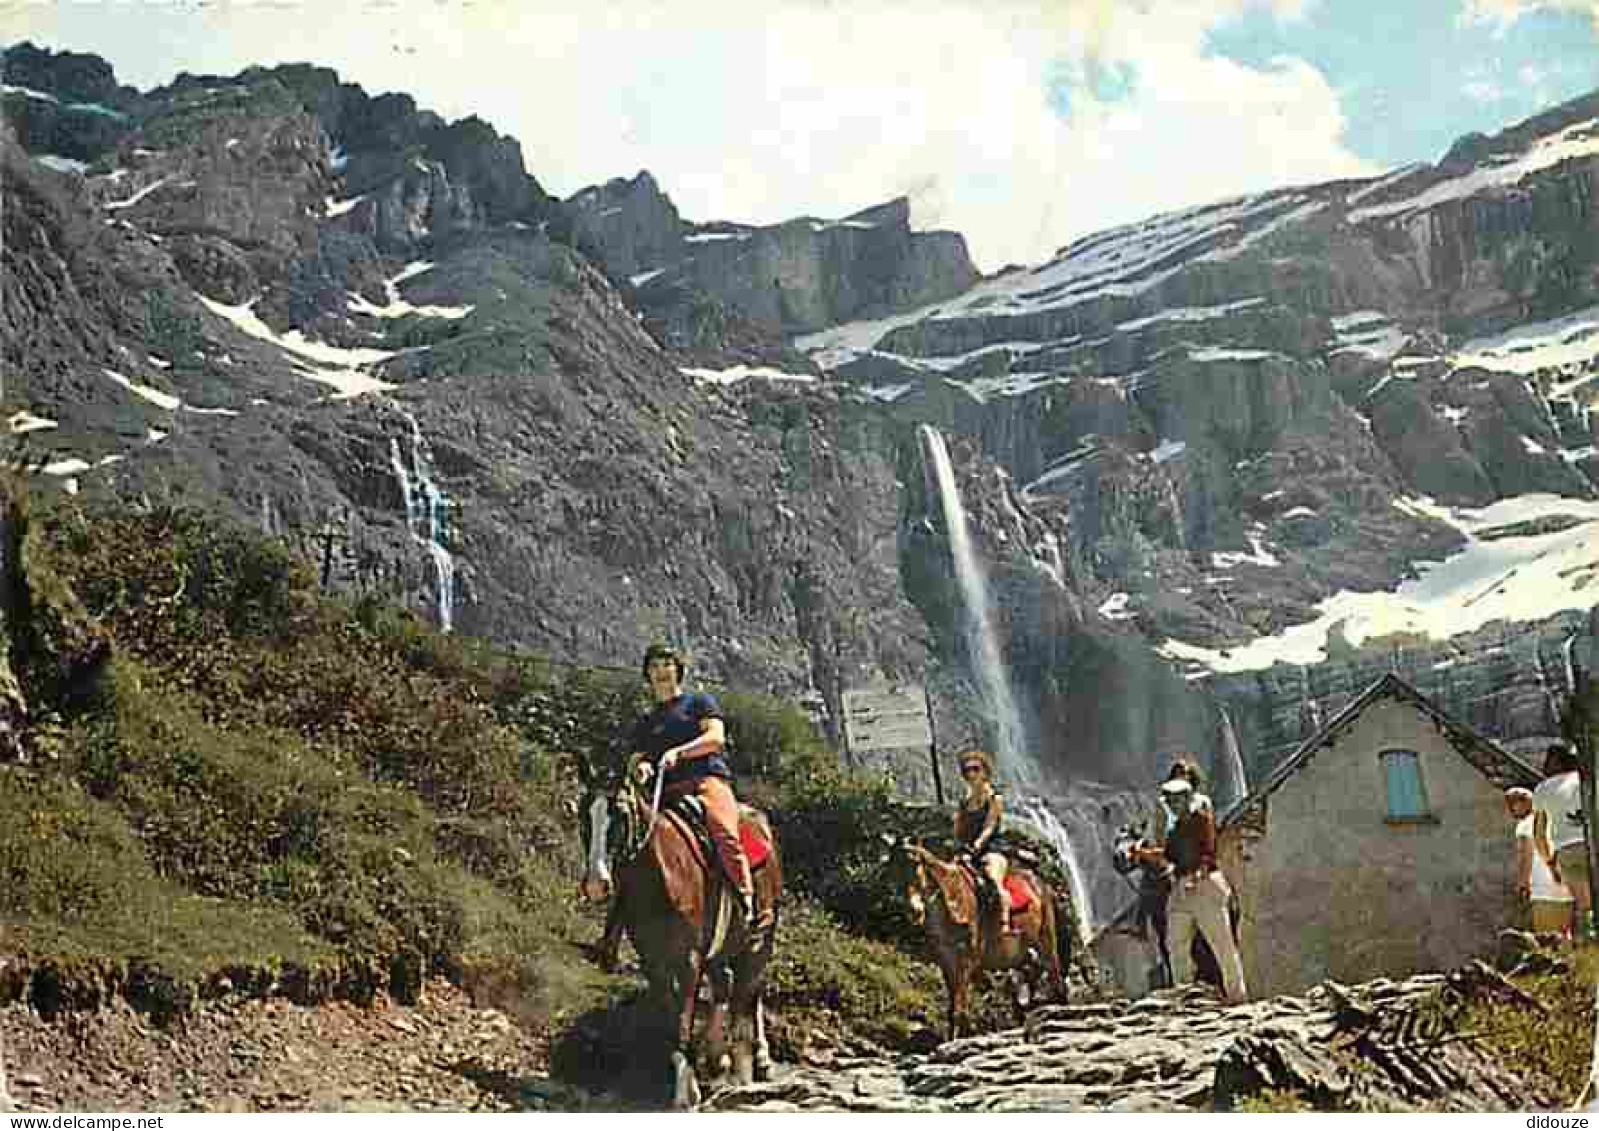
(1503, 13)
(761, 112)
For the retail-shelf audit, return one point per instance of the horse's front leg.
(949, 966)
(608, 949)
(685, 1083)
(716, 1060)
(752, 1058)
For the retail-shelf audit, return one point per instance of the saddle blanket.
(755, 845)
(1019, 890)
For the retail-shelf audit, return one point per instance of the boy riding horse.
(682, 737)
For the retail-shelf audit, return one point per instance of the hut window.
(1401, 772)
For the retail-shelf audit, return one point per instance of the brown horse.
(682, 915)
(943, 896)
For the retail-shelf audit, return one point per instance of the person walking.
(1548, 904)
(1200, 893)
(1559, 832)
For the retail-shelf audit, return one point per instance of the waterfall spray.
(1229, 781)
(1015, 760)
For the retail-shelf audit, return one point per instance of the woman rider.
(977, 826)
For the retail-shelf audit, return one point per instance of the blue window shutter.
(1401, 771)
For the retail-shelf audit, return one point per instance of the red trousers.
(721, 818)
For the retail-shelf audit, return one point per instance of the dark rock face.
(1216, 413)
(791, 277)
(66, 104)
(629, 226)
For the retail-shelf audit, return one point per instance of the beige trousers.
(1199, 903)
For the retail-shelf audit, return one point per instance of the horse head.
(922, 871)
(608, 821)
(1127, 839)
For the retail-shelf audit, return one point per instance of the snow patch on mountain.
(1122, 262)
(1500, 171)
(1572, 340)
(334, 365)
(1522, 578)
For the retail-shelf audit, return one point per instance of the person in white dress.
(1548, 903)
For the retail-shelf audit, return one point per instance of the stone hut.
(1379, 847)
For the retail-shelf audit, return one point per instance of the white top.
(1561, 798)
(1543, 883)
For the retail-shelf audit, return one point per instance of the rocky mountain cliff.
(1187, 447)
(1247, 428)
(800, 275)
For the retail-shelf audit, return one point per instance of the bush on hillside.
(303, 793)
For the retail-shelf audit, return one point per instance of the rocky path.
(1172, 1051)
(442, 1055)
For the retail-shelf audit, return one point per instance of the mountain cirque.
(1187, 445)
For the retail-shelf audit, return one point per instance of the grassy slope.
(242, 787)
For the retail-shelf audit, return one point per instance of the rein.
(655, 814)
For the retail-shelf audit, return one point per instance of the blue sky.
(1021, 123)
(1413, 76)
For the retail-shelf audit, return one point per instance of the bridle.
(927, 880)
(623, 806)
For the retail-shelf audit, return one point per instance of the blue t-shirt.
(675, 722)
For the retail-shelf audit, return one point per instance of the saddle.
(691, 811)
(1018, 891)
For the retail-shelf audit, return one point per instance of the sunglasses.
(970, 771)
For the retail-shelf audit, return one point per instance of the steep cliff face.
(1190, 448)
(246, 305)
(1241, 417)
(792, 277)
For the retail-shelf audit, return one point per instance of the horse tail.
(1058, 929)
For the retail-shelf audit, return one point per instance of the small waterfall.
(1229, 781)
(1037, 813)
(1571, 667)
(1015, 759)
(425, 506)
(1048, 558)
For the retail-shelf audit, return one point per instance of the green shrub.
(305, 793)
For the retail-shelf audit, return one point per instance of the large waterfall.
(424, 515)
(1016, 763)
(1229, 783)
